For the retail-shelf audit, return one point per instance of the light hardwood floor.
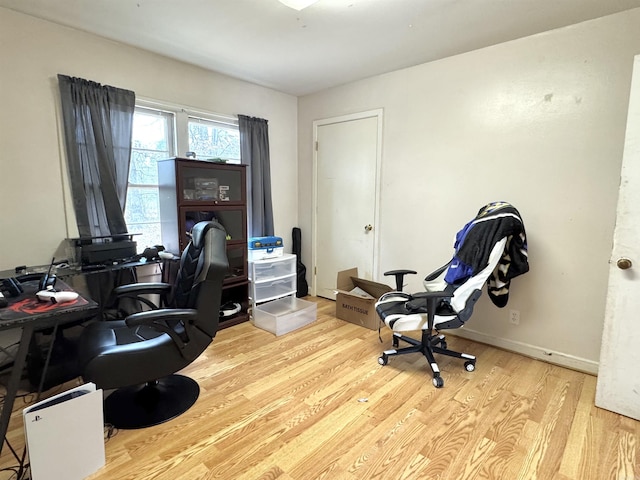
(315, 404)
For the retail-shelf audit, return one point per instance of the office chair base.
(142, 406)
(429, 345)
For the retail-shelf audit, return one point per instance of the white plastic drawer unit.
(272, 278)
(272, 268)
(272, 289)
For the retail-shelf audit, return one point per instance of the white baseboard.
(550, 356)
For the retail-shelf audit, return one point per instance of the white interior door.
(618, 387)
(347, 164)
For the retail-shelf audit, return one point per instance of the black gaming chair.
(138, 356)
(491, 249)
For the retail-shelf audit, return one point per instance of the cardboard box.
(353, 307)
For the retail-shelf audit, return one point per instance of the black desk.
(98, 281)
(93, 281)
(28, 313)
(71, 270)
(68, 271)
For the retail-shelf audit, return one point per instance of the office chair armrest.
(156, 319)
(142, 289)
(136, 290)
(422, 301)
(399, 274)
(432, 295)
(183, 315)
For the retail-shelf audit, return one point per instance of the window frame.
(182, 114)
(179, 130)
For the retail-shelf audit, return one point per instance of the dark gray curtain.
(254, 151)
(98, 122)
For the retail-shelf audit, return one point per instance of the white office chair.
(490, 249)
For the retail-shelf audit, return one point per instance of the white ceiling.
(329, 43)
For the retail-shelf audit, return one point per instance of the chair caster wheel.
(438, 382)
(469, 366)
(383, 359)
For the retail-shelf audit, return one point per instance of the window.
(158, 133)
(214, 140)
(153, 140)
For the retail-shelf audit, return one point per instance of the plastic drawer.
(265, 253)
(284, 315)
(270, 290)
(264, 270)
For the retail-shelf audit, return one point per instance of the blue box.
(265, 247)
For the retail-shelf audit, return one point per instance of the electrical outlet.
(514, 317)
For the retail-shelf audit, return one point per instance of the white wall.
(32, 53)
(538, 122)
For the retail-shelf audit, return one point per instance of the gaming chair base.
(142, 406)
(429, 345)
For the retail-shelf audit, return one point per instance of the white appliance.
(65, 434)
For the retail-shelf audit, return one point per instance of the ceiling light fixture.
(297, 4)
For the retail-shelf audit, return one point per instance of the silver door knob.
(368, 228)
(624, 263)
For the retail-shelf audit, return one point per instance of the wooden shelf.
(192, 191)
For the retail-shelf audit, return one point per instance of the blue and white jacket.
(475, 241)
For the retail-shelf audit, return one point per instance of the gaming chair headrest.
(199, 231)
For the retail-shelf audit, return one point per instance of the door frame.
(378, 113)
